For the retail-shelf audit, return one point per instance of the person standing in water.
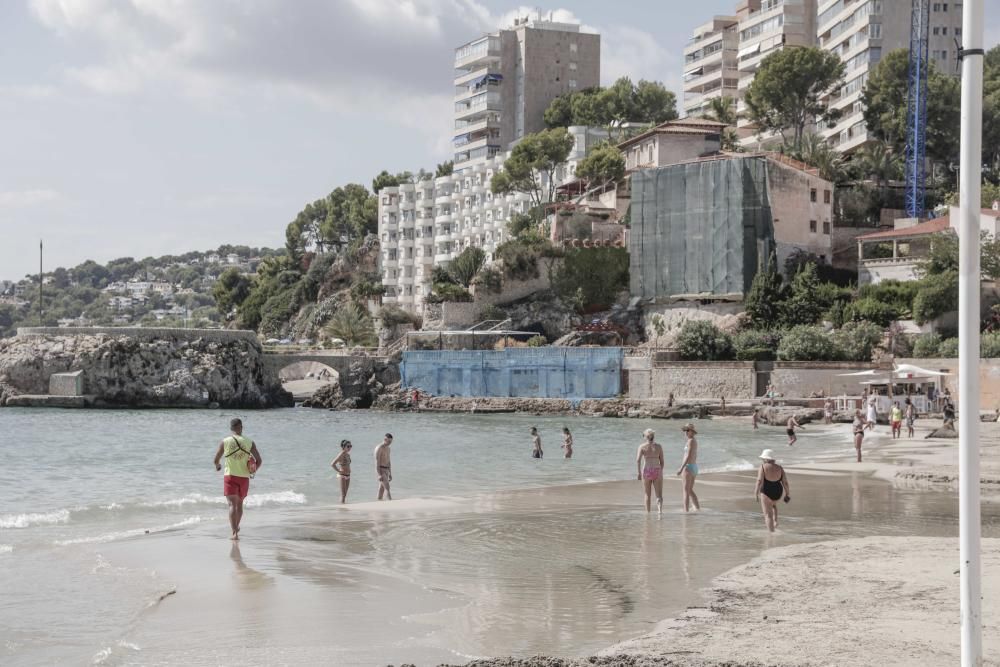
(858, 427)
(910, 414)
(896, 420)
(536, 444)
(383, 467)
(755, 417)
(567, 445)
(689, 467)
(649, 466)
(772, 484)
(342, 464)
(237, 450)
(872, 418)
(790, 427)
(828, 411)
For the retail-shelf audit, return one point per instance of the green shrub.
(856, 341)
(989, 345)
(948, 349)
(492, 312)
(802, 306)
(752, 345)
(927, 346)
(599, 273)
(701, 340)
(537, 341)
(442, 292)
(806, 343)
(490, 279)
(764, 298)
(837, 314)
(936, 296)
(897, 294)
(871, 310)
(466, 266)
(392, 315)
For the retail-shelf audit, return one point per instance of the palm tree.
(352, 325)
(723, 110)
(467, 265)
(878, 162)
(816, 153)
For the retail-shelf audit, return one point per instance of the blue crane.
(916, 110)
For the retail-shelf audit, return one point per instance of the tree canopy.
(784, 96)
(604, 165)
(532, 164)
(885, 96)
(347, 212)
(621, 102)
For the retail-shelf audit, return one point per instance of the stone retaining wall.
(804, 378)
(144, 333)
(694, 379)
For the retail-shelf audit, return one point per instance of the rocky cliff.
(182, 370)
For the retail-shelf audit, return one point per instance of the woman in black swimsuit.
(772, 484)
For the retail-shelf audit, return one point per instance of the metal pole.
(970, 185)
(41, 312)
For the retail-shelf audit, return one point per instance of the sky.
(151, 127)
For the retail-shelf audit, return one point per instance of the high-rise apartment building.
(710, 64)
(861, 32)
(505, 80)
(766, 26)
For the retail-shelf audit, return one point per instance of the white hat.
(767, 455)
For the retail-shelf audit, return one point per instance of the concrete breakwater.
(137, 368)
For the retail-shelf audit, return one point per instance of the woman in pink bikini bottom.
(649, 468)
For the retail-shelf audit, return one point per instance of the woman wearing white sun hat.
(772, 484)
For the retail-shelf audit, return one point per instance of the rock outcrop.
(142, 371)
(360, 387)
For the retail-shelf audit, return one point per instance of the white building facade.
(710, 64)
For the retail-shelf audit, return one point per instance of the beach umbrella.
(902, 370)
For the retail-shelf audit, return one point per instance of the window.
(572, 47)
(875, 30)
(812, 195)
(812, 226)
(826, 196)
(937, 30)
(937, 6)
(826, 228)
(572, 83)
(572, 67)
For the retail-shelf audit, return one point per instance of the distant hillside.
(173, 290)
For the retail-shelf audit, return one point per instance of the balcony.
(406, 242)
(442, 218)
(478, 106)
(464, 77)
(477, 54)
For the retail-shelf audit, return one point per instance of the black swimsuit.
(773, 490)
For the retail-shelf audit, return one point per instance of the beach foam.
(254, 500)
(135, 532)
(39, 519)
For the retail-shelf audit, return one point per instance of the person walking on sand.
(567, 445)
(896, 420)
(342, 464)
(910, 414)
(772, 485)
(238, 451)
(828, 412)
(790, 427)
(649, 466)
(872, 417)
(383, 467)
(689, 467)
(536, 444)
(858, 427)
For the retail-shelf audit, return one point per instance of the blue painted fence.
(552, 372)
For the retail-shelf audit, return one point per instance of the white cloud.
(31, 91)
(26, 198)
(628, 51)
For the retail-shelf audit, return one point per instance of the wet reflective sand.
(560, 571)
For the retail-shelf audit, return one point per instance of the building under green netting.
(700, 228)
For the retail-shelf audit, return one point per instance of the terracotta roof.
(685, 126)
(934, 226)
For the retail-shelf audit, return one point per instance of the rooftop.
(690, 125)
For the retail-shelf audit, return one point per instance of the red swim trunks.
(235, 486)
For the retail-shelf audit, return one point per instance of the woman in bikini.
(772, 485)
(342, 464)
(649, 466)
(567, 445)
(689, 467)
(858, 427)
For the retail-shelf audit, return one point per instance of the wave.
(39, 519)
(135, 532)
(254, 500)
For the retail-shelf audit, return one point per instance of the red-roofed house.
(895, 254)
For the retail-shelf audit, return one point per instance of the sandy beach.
(878, 600)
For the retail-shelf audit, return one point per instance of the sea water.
(104, 513)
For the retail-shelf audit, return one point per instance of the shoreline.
(888, 600)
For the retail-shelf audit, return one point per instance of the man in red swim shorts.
(237, 450)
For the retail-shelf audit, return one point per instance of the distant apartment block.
(861, 32)
(710, 64)
(505, 80)
(767, 26)
(429, 223)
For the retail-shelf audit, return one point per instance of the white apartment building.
(861, 32)
(710, 64)
(429, 223)
(766, 26)
(505, 80)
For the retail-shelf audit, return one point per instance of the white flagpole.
(970, 186)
